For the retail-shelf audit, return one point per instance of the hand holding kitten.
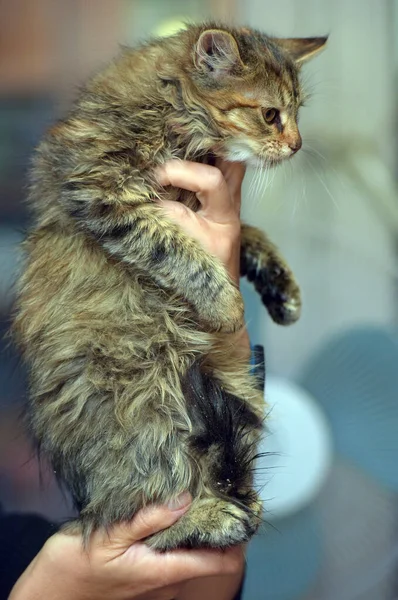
(119, 565)
(217, 224)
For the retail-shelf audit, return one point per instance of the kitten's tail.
(218, 417)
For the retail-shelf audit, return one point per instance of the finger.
(234, 173)
(206, 182)
(148, 521)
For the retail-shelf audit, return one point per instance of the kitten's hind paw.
(210, 523)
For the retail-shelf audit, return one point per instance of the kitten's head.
(249, 85)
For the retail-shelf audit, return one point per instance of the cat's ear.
(217, 53)
(302, 49)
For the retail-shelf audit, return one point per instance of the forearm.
(212, 588)
(35, 584)
(60, 571)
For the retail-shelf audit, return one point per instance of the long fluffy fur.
(139, 390)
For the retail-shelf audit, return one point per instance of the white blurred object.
(300, 443)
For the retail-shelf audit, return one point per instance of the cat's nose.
(295, 144)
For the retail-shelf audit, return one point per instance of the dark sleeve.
(239, 594)
(21, 538)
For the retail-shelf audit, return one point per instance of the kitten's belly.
(94, 300)
(106, 343)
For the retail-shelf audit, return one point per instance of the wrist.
(31, 585)
(46, 579)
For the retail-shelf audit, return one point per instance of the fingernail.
(180, 502)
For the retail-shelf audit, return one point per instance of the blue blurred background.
(332, 491)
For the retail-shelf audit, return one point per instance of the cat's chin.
(264, 163)
(255, 162)
(239, 151)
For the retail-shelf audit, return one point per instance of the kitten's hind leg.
(263, 265)
(226, 509)
(209, 523)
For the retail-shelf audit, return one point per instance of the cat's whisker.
(256, 179)
(262, 528)
(260, 176)
(325, 186)
(304, 192)
(270, 178)
(295, 204)
(246, 509)
(250, 191)
(282, 200)
(263, 174)
(263, 185)
(273, 176)
(287, 198)
(287, 164)
(266, 178)
(297, 174)
(306, 159)
(314, 152)
(250, 188)
(264, 469)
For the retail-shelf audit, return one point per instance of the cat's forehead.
(276, 78)
(268, 89)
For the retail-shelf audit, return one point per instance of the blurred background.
(331, 490)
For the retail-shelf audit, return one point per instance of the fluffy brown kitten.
(138, 388)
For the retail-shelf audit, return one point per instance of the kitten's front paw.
(277, 287)
(226, 312)
(280, 294)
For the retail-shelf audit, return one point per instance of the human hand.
(216, 225)
(119, 565)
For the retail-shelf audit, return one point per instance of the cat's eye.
(270, 115)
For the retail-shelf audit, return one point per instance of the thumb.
(147, 521)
